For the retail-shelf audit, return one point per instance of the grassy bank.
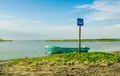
(86, 40)
(65, 64)
(91, 58)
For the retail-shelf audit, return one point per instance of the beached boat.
(56, 49)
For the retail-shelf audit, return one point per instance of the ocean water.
(35, 48)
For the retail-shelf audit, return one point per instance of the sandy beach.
(59, 70)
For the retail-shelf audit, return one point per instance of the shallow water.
(35, 48)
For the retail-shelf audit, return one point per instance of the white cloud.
(20, 20)
(25, 26)
(86, 6)
(15, 27)
(36, 21)
(112, 31)
(7, 16)
(59, 32)
(102, 9)
(11, 25)
(14, 23)
(117, 26)
(6, 22)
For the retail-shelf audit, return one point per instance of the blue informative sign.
(80, 22)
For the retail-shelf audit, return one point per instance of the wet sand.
(59, 70)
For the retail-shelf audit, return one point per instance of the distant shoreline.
(1, 40)
(85, 40)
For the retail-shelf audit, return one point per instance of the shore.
(86, 40)
(62, 70)
(1, 40)
(48, 69)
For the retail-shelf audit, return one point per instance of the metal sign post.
(79, 23)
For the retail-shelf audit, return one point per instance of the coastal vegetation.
(1, 40)
(86, 40)
(90, 58)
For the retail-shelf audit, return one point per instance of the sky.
(57, 19)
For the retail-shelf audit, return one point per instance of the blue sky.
(56, 19)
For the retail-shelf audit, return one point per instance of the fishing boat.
(56, 49)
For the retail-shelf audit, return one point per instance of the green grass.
(91, 58)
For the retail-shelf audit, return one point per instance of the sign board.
(80, 22)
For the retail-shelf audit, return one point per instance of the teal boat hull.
(54, 49)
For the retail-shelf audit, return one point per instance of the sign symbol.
(80, 22)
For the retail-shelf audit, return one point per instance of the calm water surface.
(34, 48)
